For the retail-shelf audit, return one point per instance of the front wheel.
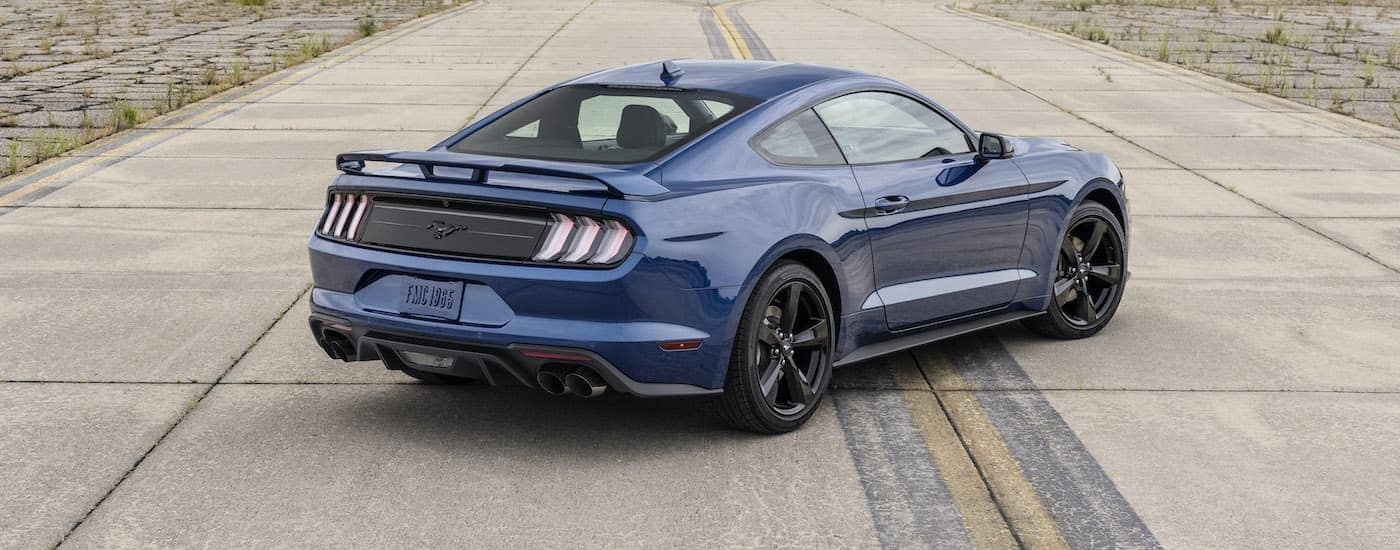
(1090, 269)
(781, 363)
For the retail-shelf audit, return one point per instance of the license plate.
(430, 298)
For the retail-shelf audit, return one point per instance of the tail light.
(567, 238)
(344, 215)
(584, 240)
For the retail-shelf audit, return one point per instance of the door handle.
(891, 204)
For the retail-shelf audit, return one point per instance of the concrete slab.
(166, 241)
(1241, 248)
(62, 446)
(134, 328)
(1210, 335)
(1379, 239)
(1349, 193)
(354, 465)
(200, 183)
(1213, 124)
(1305, 153)
(1029, 123)
(1146, 101)
(1177, 192)
(1249, 470)
(389, 94)
(311, 116)
(288, 355)
(1124, 153)
(320, 145)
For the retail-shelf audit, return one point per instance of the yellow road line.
(1019, 502)
(736, 43)
(135, 143)
(985, 525)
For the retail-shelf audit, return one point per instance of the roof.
(757, 79)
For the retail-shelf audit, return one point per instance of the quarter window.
(800, 139)
(874, 127)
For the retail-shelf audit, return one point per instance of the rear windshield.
(603, 124)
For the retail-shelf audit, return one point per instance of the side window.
(799, 140)
(884, 127)
(531, 130)
(598, 116)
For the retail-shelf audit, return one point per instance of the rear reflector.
(681, 346)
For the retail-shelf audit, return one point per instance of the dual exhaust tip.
(580, 382)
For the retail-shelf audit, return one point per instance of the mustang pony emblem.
(442, 229)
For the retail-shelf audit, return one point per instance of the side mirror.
(993, 146)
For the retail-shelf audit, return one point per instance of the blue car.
(732, 229)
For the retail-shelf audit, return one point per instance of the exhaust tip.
(585, 383)
(551, 382)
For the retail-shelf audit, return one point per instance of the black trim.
(932, 335)
(957, 199)
(481, 361)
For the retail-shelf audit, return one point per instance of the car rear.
(482, 260)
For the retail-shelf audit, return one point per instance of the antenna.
(670, 72)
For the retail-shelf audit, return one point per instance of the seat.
(641, 127)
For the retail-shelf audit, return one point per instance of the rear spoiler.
(465, 167)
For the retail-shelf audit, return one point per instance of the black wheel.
(436, 379)
(781, 363)
(1089, 276)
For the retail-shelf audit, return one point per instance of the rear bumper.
(512, 364)
(617, 318)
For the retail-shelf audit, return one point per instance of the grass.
(1164, 49)
(1278, 34)
(125, 114)
(12, 162)
(236, 71)
(83, 34)
(1090, 30)
(48, 145)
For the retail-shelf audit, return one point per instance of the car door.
(946, 227)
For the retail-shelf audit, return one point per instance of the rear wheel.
(1090, 268)
(781, 363)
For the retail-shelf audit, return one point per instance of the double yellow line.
(957, 414)
(155, 135)
(732, 38)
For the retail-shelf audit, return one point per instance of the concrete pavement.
(159, 389)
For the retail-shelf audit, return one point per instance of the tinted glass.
(884, 127)
(602, 124)
(799, 140)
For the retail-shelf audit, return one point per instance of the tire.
(1098, 276)
(780, 366)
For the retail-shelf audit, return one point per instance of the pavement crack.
(183, 415)
(527, 61)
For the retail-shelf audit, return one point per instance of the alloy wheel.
(790, 347)
(1090, 271)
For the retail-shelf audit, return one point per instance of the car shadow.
(518, 420)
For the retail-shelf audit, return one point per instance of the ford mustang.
(732, 229)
